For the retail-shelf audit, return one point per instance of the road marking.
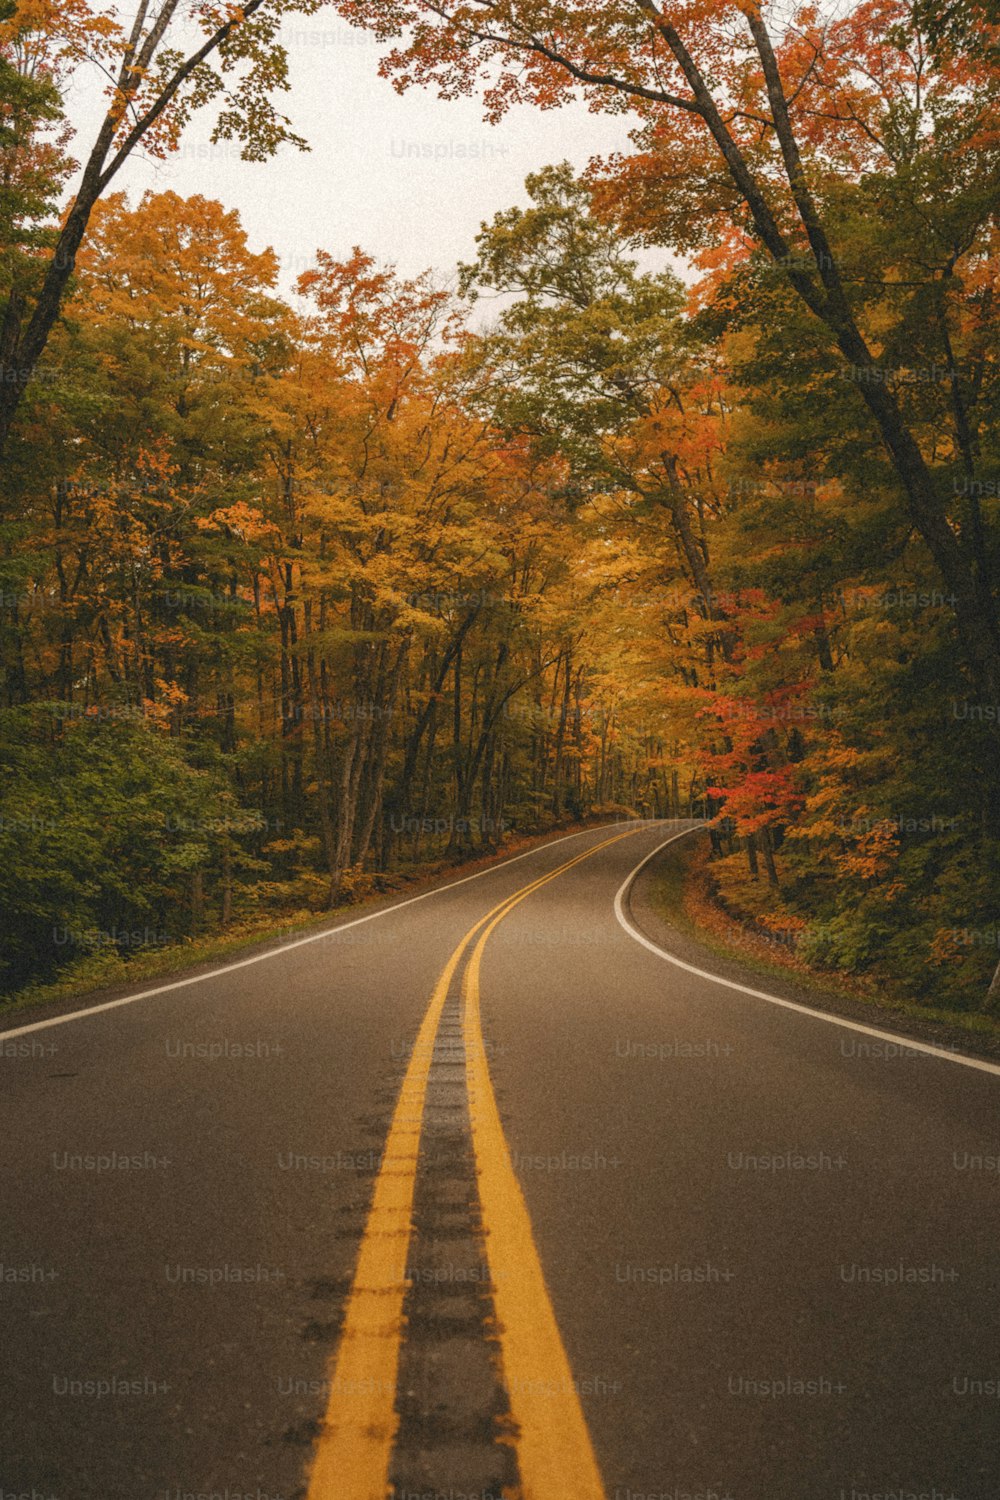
(555, 1456)
(353, 1454)
(352, 1457)
(806, 1010)
(313, 937)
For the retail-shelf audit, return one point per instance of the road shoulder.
(655, 906)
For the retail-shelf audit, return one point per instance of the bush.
(103, 825)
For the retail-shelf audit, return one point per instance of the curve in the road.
(621, 912)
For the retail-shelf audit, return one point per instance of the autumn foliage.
(299, 597)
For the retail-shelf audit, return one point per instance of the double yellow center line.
(354, 1451)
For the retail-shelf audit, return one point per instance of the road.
(483, 1195)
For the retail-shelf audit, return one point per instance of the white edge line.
(313, 937)
(805, 1010)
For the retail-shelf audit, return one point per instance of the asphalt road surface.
(484, 1196)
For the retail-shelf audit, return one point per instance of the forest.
(303, 595)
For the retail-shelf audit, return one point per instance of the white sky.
(408, 178)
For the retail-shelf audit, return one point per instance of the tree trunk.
(227, 883)
(197, 901)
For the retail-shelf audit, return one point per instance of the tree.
(33, 168)
(593, 361)
(157, 79)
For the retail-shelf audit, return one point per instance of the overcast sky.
(408, 178)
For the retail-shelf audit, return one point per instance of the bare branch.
(171, 87)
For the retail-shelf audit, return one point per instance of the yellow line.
(352, 1456)
(555, 1456)
(354, 1451)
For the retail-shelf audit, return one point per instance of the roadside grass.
(681, 889)
(100, 971)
